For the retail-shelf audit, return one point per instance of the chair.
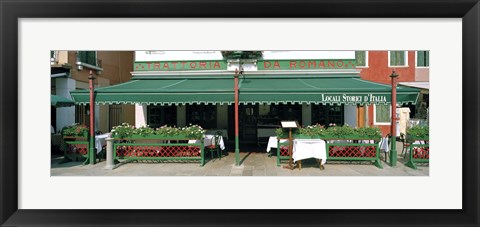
(405, 144)
(215, 146)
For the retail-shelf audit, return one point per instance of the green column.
(393, 152)
(91, 150)
(237, 151)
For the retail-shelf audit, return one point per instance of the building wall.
(117, 67)
(63, 87)
(379, 71)
(422, 74)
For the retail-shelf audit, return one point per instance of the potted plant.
(332, 132)
(75, 131)
(316, 131)
(418, 133)
(122, 131)
(126, 131)
(369, 133)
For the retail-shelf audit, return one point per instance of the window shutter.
(82, 56)
(360, 58)
(91, 58)
(382, 113)
(427, 58)
(393, 58)
(397, 58)
(420, 58)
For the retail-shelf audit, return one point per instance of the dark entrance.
(248, 115)
(265, 118)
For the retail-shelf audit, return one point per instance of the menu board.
(289, 124)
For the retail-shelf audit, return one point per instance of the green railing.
(282, 151)
(158, 149)
(340, 151)
(418, 153)
(75, 148)
(343, 151)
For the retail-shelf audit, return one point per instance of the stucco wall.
(422, 74)
(117, 66)
(379, 71)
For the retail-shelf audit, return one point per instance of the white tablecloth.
(309, 148)
(384, 144)
(208, 140)
(100, 141)
(212, 132)
(272, 142)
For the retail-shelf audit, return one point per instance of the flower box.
(76, 137)
(303, 136)
(156, 137)
(351, 137)
(332, 137)
(412, 138)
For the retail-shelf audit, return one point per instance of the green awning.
(253, 89)
(320, 90)
(59, 101)
(163, 91)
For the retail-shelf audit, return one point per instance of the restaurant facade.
(198, 87)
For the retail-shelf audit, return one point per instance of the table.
(100, 141)
(272, 142)
(212, 132)
(309, 148)
(208, 140)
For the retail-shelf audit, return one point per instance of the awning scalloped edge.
(156, 103)
(231, 103)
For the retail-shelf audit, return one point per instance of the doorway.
(248, 116)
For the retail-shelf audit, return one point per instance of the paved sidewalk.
(252, 164)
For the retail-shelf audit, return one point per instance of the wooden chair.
(405, 144)
(215, 146)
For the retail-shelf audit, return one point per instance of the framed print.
(31, 196)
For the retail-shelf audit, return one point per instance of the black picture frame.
(12, 10)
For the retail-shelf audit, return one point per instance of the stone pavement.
(252, 164)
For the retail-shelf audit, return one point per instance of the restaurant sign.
(180, 65)
(306, 64)
(354, 98)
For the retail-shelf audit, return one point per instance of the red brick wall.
(378, 71)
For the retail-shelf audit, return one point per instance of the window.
(203, 115)
(116, 115)
(286, 112)
(423, 58)
(53, 57)
(397, 58)
(382, 114)
(89, 57)
(82, 115)
(361, 58)
(158, 116)
(328, 114)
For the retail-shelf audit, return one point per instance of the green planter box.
(76, 137)
(330, 137)
(412, 138)
(156, 137)
(302, 136)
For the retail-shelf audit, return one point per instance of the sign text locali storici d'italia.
(353, 98)
(305, 64)
(180, 65)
